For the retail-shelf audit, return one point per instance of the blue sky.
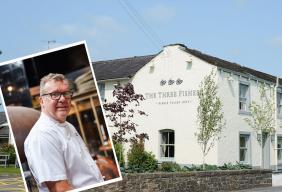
(248, 32)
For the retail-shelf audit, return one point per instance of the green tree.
(210, 116)
(262, 119)
(140, 160)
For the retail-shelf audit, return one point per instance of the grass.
(9, 170)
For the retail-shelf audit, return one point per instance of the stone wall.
(191, 181)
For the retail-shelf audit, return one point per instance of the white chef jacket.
(55, 151)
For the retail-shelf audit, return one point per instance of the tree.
(210, 116)
(262, 119)
(122, 111)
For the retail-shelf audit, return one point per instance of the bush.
(237, 166)
(193, 168)
(140, 160)
(9, 150)
(120, 153)
(170, 167)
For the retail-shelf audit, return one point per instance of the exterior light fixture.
(230, 78)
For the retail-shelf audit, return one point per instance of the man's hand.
(58, 186)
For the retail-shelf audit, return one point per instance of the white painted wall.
(179, 114)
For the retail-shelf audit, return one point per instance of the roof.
(120, 68)
(231, 66)
(127, 67)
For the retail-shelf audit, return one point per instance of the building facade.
(170, 81)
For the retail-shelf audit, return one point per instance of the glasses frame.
(61, 93)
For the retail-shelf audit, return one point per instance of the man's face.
(57, 109)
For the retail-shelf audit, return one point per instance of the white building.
(169, 81)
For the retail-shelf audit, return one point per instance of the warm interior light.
(10, 88)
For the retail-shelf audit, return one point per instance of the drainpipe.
(275, 121)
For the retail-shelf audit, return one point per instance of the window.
(4, 139)
(244, 146)
(167, 143)
(101, 87)
(279, 104)
(279, 149)
(243, 97)
(189, 64)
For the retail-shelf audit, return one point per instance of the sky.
(248, 32)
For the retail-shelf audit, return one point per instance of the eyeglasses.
(57, 95)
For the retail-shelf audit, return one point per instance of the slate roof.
(120, 68)
(127, 67)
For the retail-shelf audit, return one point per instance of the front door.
(266, 151)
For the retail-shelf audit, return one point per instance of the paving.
(265, 189)
(13, 182)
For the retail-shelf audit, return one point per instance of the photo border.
(98, 91)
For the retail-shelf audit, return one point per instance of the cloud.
(275, 41)
(160, 13)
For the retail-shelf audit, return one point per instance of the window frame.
(161, 132)
(279, 149)
(101, 87)
(248, 153)
(279, 95)
(248, 97)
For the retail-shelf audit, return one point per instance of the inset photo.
(55, 113)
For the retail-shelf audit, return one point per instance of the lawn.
(9, 170)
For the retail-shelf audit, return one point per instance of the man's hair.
(50, 77)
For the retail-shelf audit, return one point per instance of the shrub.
(120, 153)
(230, 166)
(140, 160)
(170, 167)
(9, 150)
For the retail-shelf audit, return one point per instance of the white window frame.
(279, 149)
(247, 98)
(279, 103)
(4, 137)
(101, 87)
(164, 158)
(247, 159)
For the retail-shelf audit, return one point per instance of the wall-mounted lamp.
(189, 63)
(151, 67)
(272, 137)
(230, 78)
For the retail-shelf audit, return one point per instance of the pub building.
(169, 81)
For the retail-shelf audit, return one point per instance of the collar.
(55, 124)
(47, 118)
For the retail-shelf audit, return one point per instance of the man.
(56, 154)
